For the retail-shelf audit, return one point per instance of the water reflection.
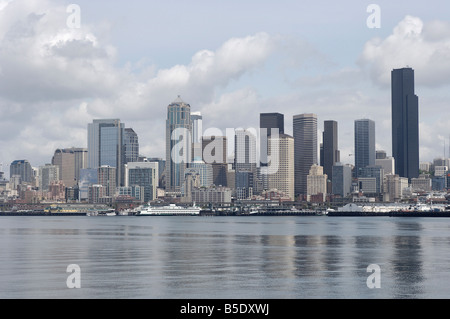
(407, 260)
(223, 257)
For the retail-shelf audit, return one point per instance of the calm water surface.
(224, 257)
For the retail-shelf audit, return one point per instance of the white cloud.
(54, 80)
(424, 47)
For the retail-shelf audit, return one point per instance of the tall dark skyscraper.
(331, 153)
(305, 149)
(405, 123)
(364, 144)
(269, 121)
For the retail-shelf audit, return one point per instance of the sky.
(60, 68)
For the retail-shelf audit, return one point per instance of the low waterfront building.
(211, 195)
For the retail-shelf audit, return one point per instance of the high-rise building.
(376, 172)
(267, 123)
(23, 169)
(107, 178)
(316, 182)
(161, 168)
(281, 170)
(131, 146)
(331, 154)
(364, 144)
(380, 154)
(388, 164)
(244, 163)
(197, 127)
(88, 177)
(394, 186)
(205, 171)
(197, 133)
(342, 180)
(144, 175)
(305, 149)
(214, 150)
(105, 145)
(47, 174)
(405, 123)
(178, 143)
(70, 161)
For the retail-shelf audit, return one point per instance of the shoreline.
(394, 214)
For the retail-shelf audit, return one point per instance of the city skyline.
(290, 72)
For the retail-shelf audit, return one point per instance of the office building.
(405, 123)
(178, 143)
(394, 186)
(244, 163)
(107, 178)
(305, 149)
(105, 146)
(214, 150)
(23, 169)
(88, 177)
(144, 175)
(331, 154)
(131, 146)
(375, 172)
(197, 133)
(380, 154)
(70, 161)
(316, 182)
(342, 179)
(387, 163)
(212, 195)
(364, 144)
(421, 184)
(269, 123)
(281, 168)
(47, 174)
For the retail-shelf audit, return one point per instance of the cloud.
(424, 47)
(54, 80)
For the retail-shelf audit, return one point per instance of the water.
(224, 257)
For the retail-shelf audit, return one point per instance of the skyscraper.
(23, 169)
(331, 153)
(214, 150)
(305, 149)
(131, 146)
(47, 174)
(244, 163)
(316, 182)
(269, 121)
(178, 143)
(197, 133)
(144, 175)
(105, 145)
(342, 180)
(70, 161)
(364, 144)
(405, 123)
(281, 177)
(107, 178)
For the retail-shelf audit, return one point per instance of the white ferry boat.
(171, 210)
